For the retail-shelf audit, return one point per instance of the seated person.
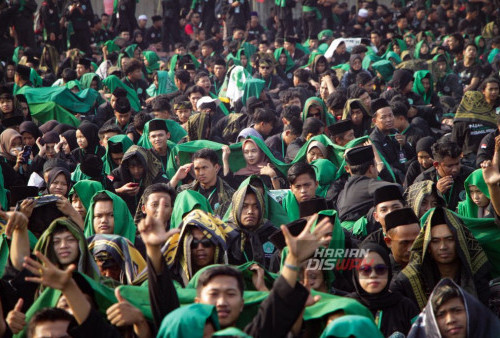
(303, 185)
(477, 201)
(81, 195)
(342, 132)
(423, 196)
(424, 160)
(316, 150)
(88, 142)
(116, 147)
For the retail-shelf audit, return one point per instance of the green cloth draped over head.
(174, 128)
(86, 189)
(281, 166)
(326, 33)
(112, 46)
(109, 164)
(326, 117)
(188, 321)
(419, 88)
(112, 82)
(493, 54)
(416, 53)
(273, 210)
(291, 206)
(165, 85)
(81, 102)
(253, 87)
(289, 61)
(86, 263)
(325, 174)
(131, 49)
(420, 273)
(335, 152)
(385, 68)
(177, 57)
(15, 55)
(474, 107)
(124, 223)
(231, 332)
(237, 59)
(185, 202)
(401, 44)
(44, 112)
(368, 60)
(468, 208)
(392, 56)
(480, 50)
(152, 59)
(87, 79)
(74, 83)
(352, 326)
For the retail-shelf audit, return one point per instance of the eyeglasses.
(264, 67)
(366, 270)
(205, 242)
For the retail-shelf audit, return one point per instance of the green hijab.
(188, 321)
(185, 202)
(253, 87)
(15, 55)
(419, 88)
(86, 189)
(87, 79)
(352, 326)
(152, 59)
(165, 85)
(416, 53)
(326, 117)
(237, 60)
(385, 68)
(126, 143)
(468, 208)
(325, 174)
(174, 128)
(112, 82)
(368, 60)
(130, 50)
(74, 83)
(273, 211)
(231, 332)
(124, 223)
(392, 55)
(289, 61)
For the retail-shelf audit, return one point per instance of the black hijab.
(70, 136)
(90, 131)
(56, 172)
(383, 299)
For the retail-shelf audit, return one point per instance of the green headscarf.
(86, 189)
(326, 117)
(368, 60)
(87, 79)
(15, 55)
(392, 55)
(237, 60)
(385, 68)
(231, 332)
(188, 321)
(493, 54)
(253, 87)
(289, 61)
(112, 82)
(335, 152)
(109, 164)
(165, 85)
(273, 210)
(124, 223)
(72, 84)
(416, 53)
(112, 46)
(480, 50)
(325, 174)
(419, 88)
(175, 130)
(152, 59)
(130, 50)
(81, 102)
(185, 202)
(468, 208)
(352, 326)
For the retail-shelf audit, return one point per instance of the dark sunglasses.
(205, 242)
(366, 270)
(264, 67)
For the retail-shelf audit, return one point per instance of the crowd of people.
(222, 172)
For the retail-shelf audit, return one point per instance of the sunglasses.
(366, 270)
(263, 67)
(205, 242)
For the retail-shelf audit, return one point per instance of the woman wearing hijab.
(81, 195)
(117, 147)
(477, 200)
(316, 150)
(30, 132)
(88, 142)
(285, 65)
(423, 162)
(422, 51)
(470, 317)
(315, 107)
(392, 312)
(259, 161)
(352, 326)
(13, 166)
(59, 182)
(349, 78)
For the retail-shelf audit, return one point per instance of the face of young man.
(304, 188)
(250, 213)
(58, 328)
(384, 208)
(384, 119)
(151, 208)
(202, 249)
(442, 246)
(223, 293)
(400, 241)
(158, 139)
(205, 171)
(451, 318)
(65, 247)
(104, 220)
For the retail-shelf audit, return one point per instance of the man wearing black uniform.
(50, 17)
(133, 79)
(296, 54)
(154, 33)
(23, 23)
(124, 19)
(80, 15)
(171, 30)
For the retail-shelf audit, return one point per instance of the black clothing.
(236, 17)
(140, 87)
(467, 73)
(103, 113)
(80, 18)
(277, 145)
(486, 148)
(125, 20)
(414, 169)
(468, 135)
(391, 150)
(377, 237)
(153, 35)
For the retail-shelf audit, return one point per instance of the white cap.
(206, 99)
(143, 17)
(363, 12)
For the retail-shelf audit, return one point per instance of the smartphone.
(26, 153)
(134, 185)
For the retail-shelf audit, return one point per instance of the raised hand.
(48, 274)
(123, 313)
(15, 221)
(258, 277)
(16, 319)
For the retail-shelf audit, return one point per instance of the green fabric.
(72, 84)
(185, 202)
(112, 46)
(165, 85)
(130, 50)
(253, 87)
(326, 33)
(237, 59)
(468, 208)
(352, 326)
(44, 112)
(78, 175)
(326, 117)
(291, 206)
(188, 321)
(416, 53)
(391, 55)
(274, 212)
(368, 60)
(231, 332)
(325, 175)
(289, 61)
(112, 82)
(335, 152)
(81, 102)
(359, 227)
(493, 54)
(86, 189)
(124, 223)
(385, 68)
(15, 55)
(152, 59)
(328, 304)
(236, 160)
(126, 143)
(401, 44)
(419, 88)
(35, 78)
(174, 128)
(87, 79)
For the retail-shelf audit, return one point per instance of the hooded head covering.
(474, 107)
(352, 326)
(468, 208)
(353, 58)
(325, 174)
(418, 55)
(47, 126)
(401, 78)
(152, 59)
(86, 189)
(253, 87)
(165, 85)
(6, 139)
(70, 136)
(122, 140)
(124, 223)
(326, 117)
(56, 172)
(123, 252)
(418, 191)
(185, 202)
(364, 127)
(421, 274)
(87, 78)
(419, 88)
(481, 322)
(198, 127)
(320, 146)
(385, 68)
(239, 198)
(31, 128)
(112, 82)
(253, 169)
(425, 144)
(90, 131)
(188, 321)
(289, 61)
(151, 164)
